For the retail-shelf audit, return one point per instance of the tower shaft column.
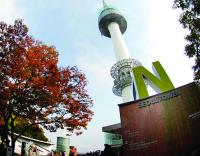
(126, 94)
(121, 52)
(120, 48)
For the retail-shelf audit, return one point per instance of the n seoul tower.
(112, 24)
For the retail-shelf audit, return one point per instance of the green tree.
(190, 19)
(35, 131)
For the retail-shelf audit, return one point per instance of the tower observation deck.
(112, 24)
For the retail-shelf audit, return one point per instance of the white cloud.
(166, 42)
(9, 11)
(95, 65)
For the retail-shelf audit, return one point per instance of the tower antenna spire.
(104, 3)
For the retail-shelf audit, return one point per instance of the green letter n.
(161, 83)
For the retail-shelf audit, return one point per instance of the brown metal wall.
(166, 128)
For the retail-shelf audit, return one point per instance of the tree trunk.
(4, 139)
(13, 145)
(13, 138)
(5, 135)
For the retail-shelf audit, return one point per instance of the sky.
(153, 33)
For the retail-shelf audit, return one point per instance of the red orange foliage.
(34, 87)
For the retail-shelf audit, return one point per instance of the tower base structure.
(166, 124)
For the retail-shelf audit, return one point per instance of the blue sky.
(153, 33)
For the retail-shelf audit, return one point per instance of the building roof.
(116, 128)
(35, 140)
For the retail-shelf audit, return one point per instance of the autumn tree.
(190, 19)
(33, 87)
